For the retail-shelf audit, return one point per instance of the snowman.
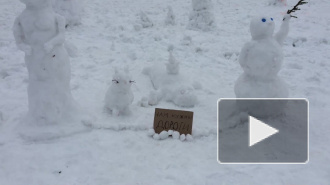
(119, 95)
(39, 32)
(261, 60)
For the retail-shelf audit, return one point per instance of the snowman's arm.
(59, 38)
(243, 54)
(284, 30)
(19, 36)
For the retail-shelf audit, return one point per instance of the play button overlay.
(263, 131)
(259, 131)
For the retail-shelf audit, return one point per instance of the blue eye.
(263, 20)
(271, 19)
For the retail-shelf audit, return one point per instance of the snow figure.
(170, 19)
(39, 32)
(172, 66)
(171, 86)
(261, 60)
(145, 21)
(201, 17)
(278, 2)
(70, 9)
(119, 95)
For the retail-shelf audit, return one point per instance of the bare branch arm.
(284, 30)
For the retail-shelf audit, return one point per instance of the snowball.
(156, 137)
(182, 137)
(151, 132)
(163, 135)
(170, 132)
(176, 135)
(189, 137)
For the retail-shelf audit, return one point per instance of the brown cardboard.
(176, 120)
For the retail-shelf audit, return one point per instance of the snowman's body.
(261, 60)
(39, 32)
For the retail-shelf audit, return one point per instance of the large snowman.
(39, 32)
(261, 60)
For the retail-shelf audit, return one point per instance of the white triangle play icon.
(259, 131)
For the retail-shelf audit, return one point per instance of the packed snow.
(102, 148)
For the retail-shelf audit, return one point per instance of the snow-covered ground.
(118, 150)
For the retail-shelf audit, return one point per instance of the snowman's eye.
(116, 81)
(131, 81)
(271, 19)
(263, 20)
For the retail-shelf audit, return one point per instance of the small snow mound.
(176, 135)
(182, 137)
(156, 137)
(189, 137)
(151, 132)
(163, 135)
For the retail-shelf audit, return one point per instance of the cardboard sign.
(176, 120)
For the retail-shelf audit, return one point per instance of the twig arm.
(281, 35)
(295, 8)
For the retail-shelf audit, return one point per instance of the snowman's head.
(262, 27)
(122, 81)
(36, 3)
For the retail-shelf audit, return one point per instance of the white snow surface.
(117, 150)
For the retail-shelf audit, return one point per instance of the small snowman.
(119, 95)
(261, 60)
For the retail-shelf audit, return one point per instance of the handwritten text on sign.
(177, 120)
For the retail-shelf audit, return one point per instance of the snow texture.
(71, 10)
(261, 60)
(145, 21)
(117, 150)
(170, 18)
(201, 17)
(278, 2)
